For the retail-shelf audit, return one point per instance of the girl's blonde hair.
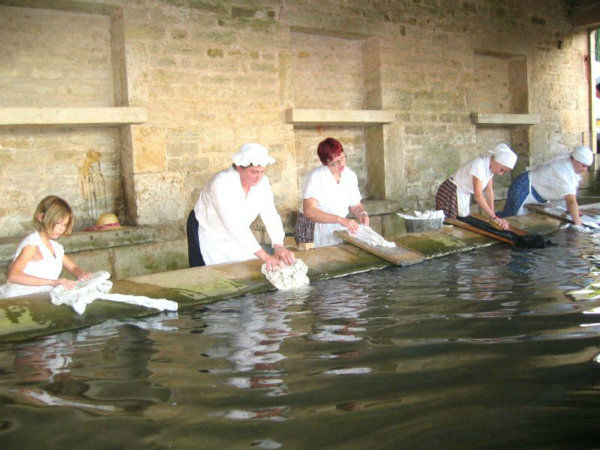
(49, 212)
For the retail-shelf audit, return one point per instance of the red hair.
(329, 149)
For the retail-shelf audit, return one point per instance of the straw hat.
(107, 221)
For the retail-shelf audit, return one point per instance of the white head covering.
(583, 154)
(252, 154)
(504, 155)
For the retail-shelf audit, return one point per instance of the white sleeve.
(354, 193)
(228, 206)
(312, 187)
(270, 216)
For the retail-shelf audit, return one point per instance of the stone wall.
(216, 74)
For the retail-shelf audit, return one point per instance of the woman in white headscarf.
(218, 228)
(557, 179)
(475, 178)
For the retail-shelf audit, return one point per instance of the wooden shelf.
(339, 116)
(71, 117)
(504, 119)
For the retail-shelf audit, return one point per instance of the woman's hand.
(350, 224)
(502, 223)
(363, 218)
(284, 255)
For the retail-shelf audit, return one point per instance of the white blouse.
(555, 179)
(463, 178)
(49, 267)
(225, 213)
(333, 198)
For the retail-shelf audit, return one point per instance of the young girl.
(39, 259)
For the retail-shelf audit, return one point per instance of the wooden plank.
(495, 225)
(559, 212)
(396, 255)
(466, 226)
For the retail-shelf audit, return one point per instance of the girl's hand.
(69, 284)
(84, 276)
(363, 218)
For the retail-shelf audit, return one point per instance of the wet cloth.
(369, 236)
(333, 198)
(224, 213)
(531, 240)
(289, 277)
(98, 288)
(520, 193)
(49, 267)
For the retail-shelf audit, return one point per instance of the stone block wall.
(214, 75)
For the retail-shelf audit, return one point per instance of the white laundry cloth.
(439, 214)
(369, 236)
(289, 277)
(98, 287)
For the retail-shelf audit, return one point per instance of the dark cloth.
(304, 230)
(531, 240)
(446, 200)
(517, 194)
(194, 254)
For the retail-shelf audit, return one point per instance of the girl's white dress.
(50, 267)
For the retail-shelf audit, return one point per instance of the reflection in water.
(480, 349)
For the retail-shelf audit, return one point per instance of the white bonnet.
(504, 155)
(252, 154)
(583, 154)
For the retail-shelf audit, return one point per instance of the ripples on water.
(475, 350)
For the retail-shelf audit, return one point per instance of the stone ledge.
(71, 117)
(504, 119)
(80, 241)
(339, 116)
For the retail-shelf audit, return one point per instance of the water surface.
(475, 350)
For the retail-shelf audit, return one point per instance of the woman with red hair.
(330, 192)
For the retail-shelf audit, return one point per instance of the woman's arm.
(573, 208)
(309, 206)
(73, 268)
(487, 203)
(16, 274)
(360, 213)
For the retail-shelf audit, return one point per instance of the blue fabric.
(517, 193)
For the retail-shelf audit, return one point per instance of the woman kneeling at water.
(330, 192)
(557, 179)
(454, 195)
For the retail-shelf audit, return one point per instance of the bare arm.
(360, 213)
(309, 205)
(573, 208)
(17, 275)
(487, 203)
(75, 269)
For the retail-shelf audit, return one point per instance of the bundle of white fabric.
(98, 287)
(289, 277)
(439, 214)
(369, 236)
